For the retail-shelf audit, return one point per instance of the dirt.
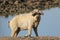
(30, 38)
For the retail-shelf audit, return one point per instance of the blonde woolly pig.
(25, 22)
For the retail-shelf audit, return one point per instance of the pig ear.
(35, 10)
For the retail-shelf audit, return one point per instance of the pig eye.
(39, 13)
(34, 14)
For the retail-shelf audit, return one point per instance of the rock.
(22, 6)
